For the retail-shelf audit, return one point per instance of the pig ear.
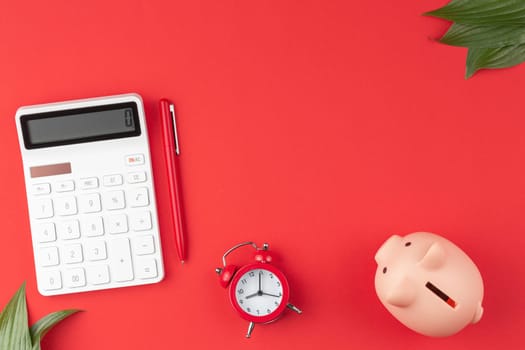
(387, 247)
(434, 257)
(403, 293)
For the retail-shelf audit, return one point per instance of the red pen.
(171, 153)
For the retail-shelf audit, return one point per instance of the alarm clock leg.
(294, 308)
(250, 330)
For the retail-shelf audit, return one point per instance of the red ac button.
(135, 159)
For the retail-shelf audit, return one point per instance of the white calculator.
(89, 185)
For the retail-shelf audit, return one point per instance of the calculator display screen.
(79, 125)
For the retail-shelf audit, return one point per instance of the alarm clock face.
(259, 292)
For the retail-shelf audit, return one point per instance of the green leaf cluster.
(15, 333)
(492, 30)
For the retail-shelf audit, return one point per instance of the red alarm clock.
(259, 291)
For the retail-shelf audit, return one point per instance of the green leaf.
(39, 329)
(504, 12)
(14, 332)
(500, 57)
(473, 35)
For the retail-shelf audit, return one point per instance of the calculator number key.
(96, 250)
(90, 203)
(50, 280)
(74, 278)
(73, 254)
(92, 226)
(43, 208)
(48, 256)
(46, 232)
(66, 206)
(68, 230)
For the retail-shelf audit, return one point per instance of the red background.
(321, 127)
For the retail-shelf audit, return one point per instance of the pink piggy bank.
(428, 284)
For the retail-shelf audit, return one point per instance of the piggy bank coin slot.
(442, 295)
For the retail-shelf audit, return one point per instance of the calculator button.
(98, 274)
(46, 232)
(117, 223)
(143, 245)
(39, 189)
(48, 256)
(92, 226)
(72, 254)
(43, 208)
(66, 206)
(88, 183)
(96, 250)
(136, 177)
(68, 229)
(120, 254)
(146, 268)
(135, 159)
(141, 221)
(50, 280)
(112, 180)
(65, 186)
(114, 200)
(89, 203)
(75, 278)
(138, 197)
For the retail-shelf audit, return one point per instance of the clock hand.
(251, 295)
(260, 287)
(272, 295)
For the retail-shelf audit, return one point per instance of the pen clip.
(175, 134)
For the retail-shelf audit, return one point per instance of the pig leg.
(479, 313)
